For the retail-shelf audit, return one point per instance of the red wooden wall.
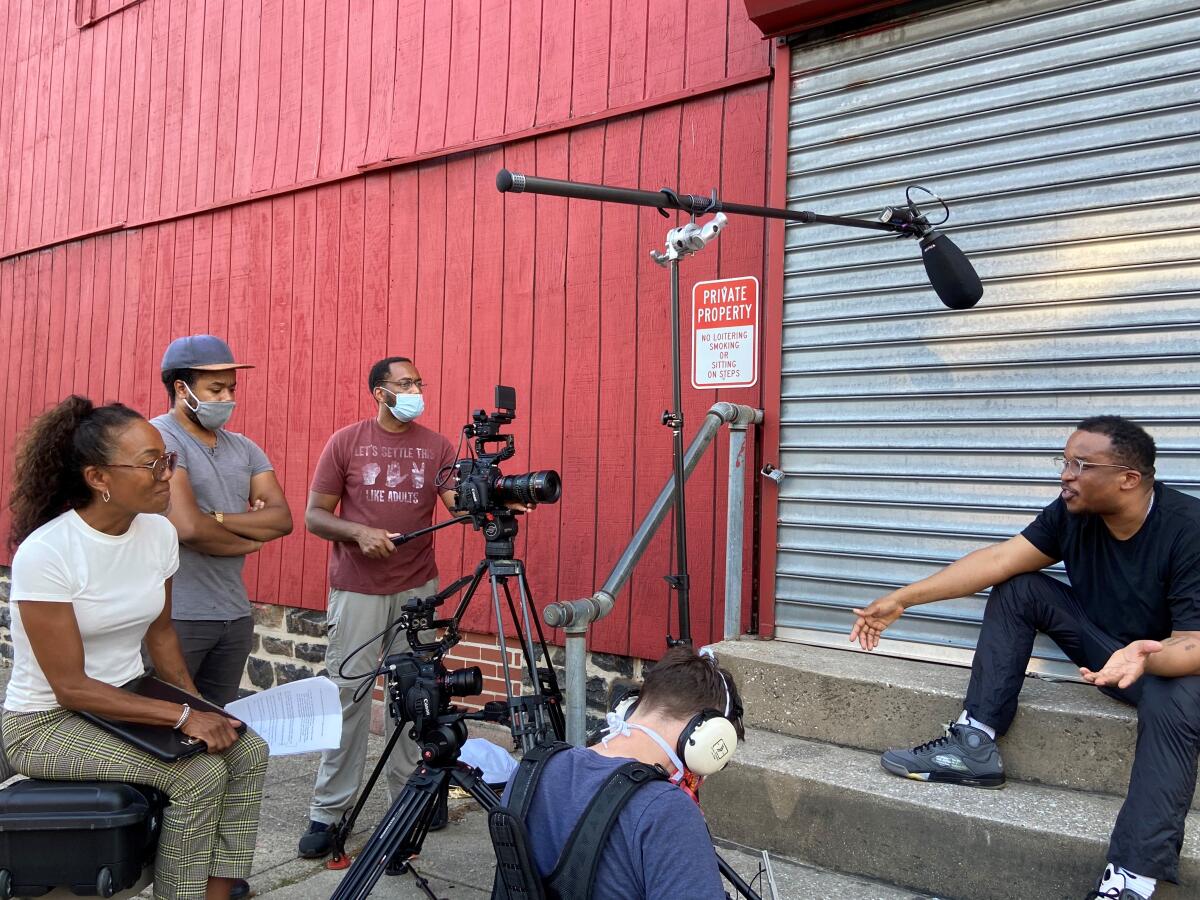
(316, 183)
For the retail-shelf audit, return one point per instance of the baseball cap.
(200, 351)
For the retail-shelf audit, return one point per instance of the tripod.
(401, 832)
(419, 692)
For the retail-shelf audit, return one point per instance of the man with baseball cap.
(225, 504)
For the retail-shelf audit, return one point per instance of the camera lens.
(542, 486)
(463, 682)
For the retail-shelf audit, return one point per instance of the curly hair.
(53, 452)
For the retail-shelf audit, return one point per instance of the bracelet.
(183, 717)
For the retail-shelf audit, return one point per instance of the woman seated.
(91, 579)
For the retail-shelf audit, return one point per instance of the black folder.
(162, 741)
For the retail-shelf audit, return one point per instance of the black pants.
(216, 652)
(1149, 830)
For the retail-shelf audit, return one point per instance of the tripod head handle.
(407, 536)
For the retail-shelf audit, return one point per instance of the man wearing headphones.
(686, 721)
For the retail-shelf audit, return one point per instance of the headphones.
(708, 740)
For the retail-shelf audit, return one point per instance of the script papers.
(298, 717)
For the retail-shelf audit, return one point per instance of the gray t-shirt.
(211, 587)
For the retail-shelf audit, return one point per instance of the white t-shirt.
(114, 582)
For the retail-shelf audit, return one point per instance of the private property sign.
(725, 333)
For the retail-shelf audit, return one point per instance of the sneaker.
(317, 841)
(239, 890)
(398, 864)
(964, 755)
(1111, 886)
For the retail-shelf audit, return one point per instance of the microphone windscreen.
(950, 272)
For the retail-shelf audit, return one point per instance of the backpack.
(575, 870)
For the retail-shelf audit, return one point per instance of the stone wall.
(289, 644)
(6, 648)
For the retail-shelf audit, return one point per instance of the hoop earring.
(106, 496)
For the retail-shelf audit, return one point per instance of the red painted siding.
(161, 121)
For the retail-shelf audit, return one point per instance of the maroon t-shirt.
(390, 481)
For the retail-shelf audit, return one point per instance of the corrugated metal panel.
(1066, 138)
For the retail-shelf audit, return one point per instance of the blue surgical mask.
(212, 414)
(407, 406)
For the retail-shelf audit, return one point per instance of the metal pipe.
(574, 616)
(735, 527)
(564, 613)
(576, 683)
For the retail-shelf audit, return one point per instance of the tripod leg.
(527, 598)
(500, 640)
(344, 827)
(736, 880)
(402, 830)
(479, 789)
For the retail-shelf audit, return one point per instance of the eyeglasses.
(161, 468)
(1076, 466)
(407, 384)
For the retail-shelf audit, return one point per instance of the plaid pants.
(210, 826)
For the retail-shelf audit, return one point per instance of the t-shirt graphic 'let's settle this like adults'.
(389, 481)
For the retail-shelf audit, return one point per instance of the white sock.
(965, 719)
(1116, 879)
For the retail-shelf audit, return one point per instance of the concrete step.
(836, 808)
(1065, 735)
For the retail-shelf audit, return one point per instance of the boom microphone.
(953, 277)
(949, 271)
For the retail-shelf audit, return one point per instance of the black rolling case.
(94, 837)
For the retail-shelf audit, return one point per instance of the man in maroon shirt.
(386, 474)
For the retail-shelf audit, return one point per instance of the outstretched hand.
(1124, 667)
(872, 620)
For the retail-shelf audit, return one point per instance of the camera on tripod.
(480, 489)
(420, 691)
(419, 686)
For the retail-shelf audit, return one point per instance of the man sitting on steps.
(1130, 619)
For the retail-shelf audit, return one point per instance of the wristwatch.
(219, 516)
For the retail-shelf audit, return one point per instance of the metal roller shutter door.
(1067, 140)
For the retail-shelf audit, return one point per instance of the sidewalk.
(457, 862)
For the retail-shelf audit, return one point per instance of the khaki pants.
(352, 619)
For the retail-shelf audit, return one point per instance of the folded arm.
(197, 529)
(268, 517)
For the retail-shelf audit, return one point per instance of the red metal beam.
(776, 17)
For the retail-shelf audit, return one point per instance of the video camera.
(479, 488)
(420, 690)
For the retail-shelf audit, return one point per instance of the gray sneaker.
(963, 755)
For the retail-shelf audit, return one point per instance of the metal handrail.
(574, 616)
